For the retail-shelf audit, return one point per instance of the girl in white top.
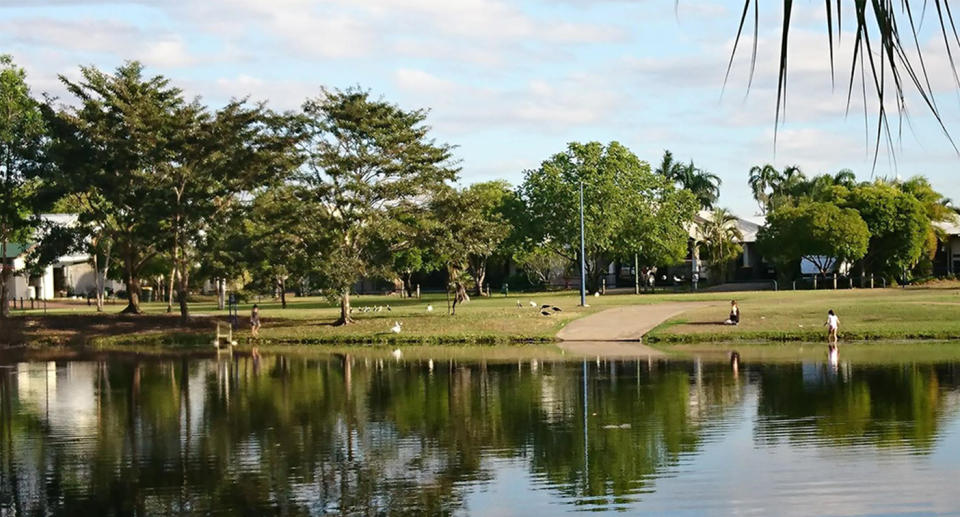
(833, 323)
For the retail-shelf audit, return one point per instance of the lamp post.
(583, 260)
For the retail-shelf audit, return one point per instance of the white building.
(69, 275)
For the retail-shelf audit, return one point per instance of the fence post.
(814, 282)
(834, 281)
(871, 280)
(794, 284)
(418, 291)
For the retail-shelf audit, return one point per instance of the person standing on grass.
(255, 321)
(832, 324)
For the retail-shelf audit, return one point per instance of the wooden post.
(636, 273)
(814, 282)
(418, 291)
(871, 280)
(834, 281)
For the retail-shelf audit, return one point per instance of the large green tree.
(704, 185)
(822, 233)
(364, 157)
(113, 146)
(488, 205)
(627, 208)
(21, 141)
(898, 227)
(220, 156)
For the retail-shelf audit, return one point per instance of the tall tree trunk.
(345, 318)
(133, 288)
(221, 293)
(4, 275)
(479, 267)
(459, 290)
(183, 285)
(282, 284)
(170, 284)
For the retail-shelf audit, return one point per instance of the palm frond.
(893, 69)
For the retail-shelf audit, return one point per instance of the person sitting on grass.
(734, 318)
(832, 324)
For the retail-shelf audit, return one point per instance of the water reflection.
(345, 434)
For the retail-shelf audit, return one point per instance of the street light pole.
(583, 259)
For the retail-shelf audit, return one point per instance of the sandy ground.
(625, 323)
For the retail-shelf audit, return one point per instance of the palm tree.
(668, 166)
(888, 64)
(721, 238)
(704, 185)
(763, 178)
(845, 178)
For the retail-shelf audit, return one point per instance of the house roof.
(747, 228)
(951, 227)
(15, 249)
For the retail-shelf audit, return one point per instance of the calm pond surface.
(309, 435)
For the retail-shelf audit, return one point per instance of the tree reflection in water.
(346, 434)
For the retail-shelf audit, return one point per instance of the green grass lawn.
(865, 314)
(914, 313)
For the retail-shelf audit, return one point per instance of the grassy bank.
(799, 316)
(309, 321)
(785, 316)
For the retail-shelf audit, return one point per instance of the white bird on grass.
(533, 303)
(596, 294)
(397, 327)
(397, 354)
(429, 308)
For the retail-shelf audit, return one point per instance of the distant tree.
(278, 230)
(762, 180)
(218, 157)
(111, 149)
(628, 209)
(704, 185)
(22, 133)
(720, 238)
(364, 157)
(936, 207)
(822, 233)
(898, 227)
(488, 205)
(541, 264)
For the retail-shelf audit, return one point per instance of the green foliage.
(704, 185)
(898, 227)
(720, 238)
(365, 157)
(627, 208)
(113, 149)
(22, 140)
(823, 233)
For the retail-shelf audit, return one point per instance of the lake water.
(308, 435)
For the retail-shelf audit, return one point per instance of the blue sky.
(511, 82)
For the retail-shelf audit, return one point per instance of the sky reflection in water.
(331, 434)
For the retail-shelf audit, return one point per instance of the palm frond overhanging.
(886, 54)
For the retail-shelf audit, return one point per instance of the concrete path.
(628, 323)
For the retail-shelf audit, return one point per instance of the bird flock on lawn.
(377, 308)
(545, 310)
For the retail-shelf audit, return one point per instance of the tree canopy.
(627, 208)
